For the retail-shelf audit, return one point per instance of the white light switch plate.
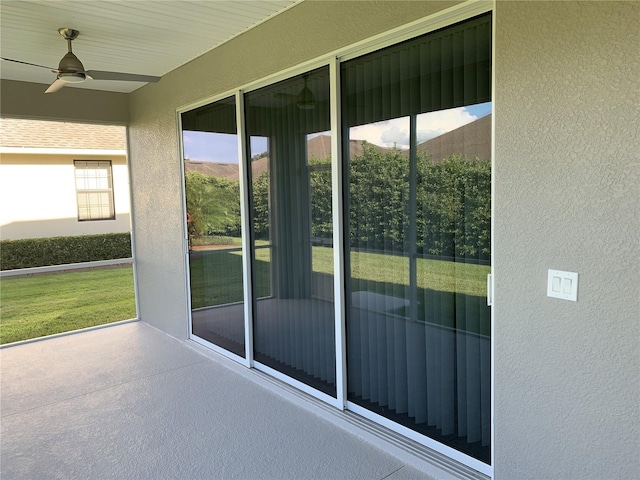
(562, 285)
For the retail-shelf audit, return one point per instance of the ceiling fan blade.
(126, 77)
(27, 63)
(55, 86)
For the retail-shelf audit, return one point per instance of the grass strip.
(33, 306)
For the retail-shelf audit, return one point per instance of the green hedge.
(39, 252)
(453, 204)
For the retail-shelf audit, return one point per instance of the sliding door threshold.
(405, 449)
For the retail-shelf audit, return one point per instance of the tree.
(260, 188)
(453, 204)
(379, 198)
(454, 207)
(320, 187)
(213, 205)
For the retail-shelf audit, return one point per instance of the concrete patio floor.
(129, 401)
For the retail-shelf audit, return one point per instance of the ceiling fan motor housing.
(70, 68)
(70, 64)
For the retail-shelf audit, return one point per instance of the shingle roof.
(16, 132)
(471, 140)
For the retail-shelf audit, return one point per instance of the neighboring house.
(472, 140)
(62, 179)
(532, 386)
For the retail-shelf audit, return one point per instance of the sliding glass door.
(212, 192)
(294, 323)
(417, 171)
(388, 315)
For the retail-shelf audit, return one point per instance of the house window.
(94, 190)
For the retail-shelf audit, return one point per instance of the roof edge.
(60, 151)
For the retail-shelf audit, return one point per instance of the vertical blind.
(293, 321)
(418, 223)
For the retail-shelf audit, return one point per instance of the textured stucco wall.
(302, 33)
(567, 197)
(27, 100)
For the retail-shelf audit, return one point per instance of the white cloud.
(384, 134)
(396, 132)
(433, 124)
(397, 135)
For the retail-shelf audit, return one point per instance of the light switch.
(562, 285)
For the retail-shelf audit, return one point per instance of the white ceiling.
(150, 37)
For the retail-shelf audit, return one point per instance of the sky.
(217, 147)
(223, 147)
(390, 133)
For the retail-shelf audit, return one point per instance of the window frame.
(98, 164)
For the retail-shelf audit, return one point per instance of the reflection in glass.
(320, 191)
(213, 223)
(260, 181)
(417, 181)
(294, 312)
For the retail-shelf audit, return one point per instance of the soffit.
(145, 37)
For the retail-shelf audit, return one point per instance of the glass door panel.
(320, 191)
(213, 222)
(418, 192)
(293, 323)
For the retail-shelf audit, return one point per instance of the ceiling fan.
(305, 100)
(71, 70)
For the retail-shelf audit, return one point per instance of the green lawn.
(440, 275)
(38, 305)
(216, 278)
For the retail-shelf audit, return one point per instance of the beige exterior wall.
(27, 100)
(38, 197)
(567, 197)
